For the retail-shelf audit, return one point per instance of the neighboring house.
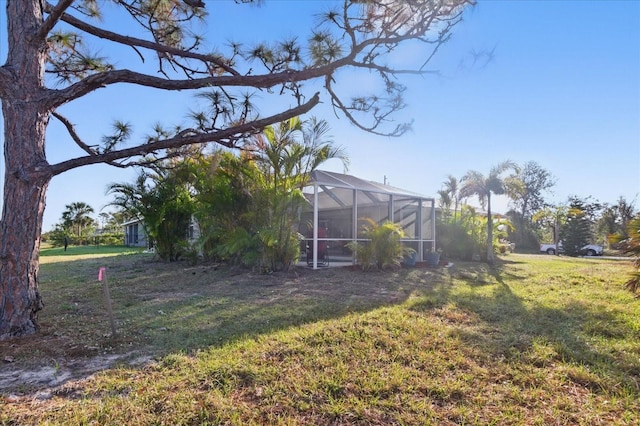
(134, 234)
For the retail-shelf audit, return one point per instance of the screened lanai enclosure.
(338, 206)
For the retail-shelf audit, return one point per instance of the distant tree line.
(77, 226)
(464, 233)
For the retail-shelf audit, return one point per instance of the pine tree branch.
(76, 138)
(74, 135)
(219, 137)
(136, 42)
(103, 79)
(55, 13)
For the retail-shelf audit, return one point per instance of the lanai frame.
(344, 200)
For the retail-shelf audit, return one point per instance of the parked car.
(588, 250)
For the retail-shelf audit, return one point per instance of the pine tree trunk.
(20, 230)
(26, 113)
(25, 186)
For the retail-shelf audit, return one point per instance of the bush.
(55, 237)
(631, 247)
(384, 248)
(113, 239)
(455, 242)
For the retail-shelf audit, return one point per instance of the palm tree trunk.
(455, 210)
(490, 258)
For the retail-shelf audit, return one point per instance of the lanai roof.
(340, 180)
(336, 190)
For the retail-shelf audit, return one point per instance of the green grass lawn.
(539, 340)
(88, 251)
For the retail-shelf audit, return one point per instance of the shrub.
(114, 239)
(384, 248)
(631, 247)
(455, 242)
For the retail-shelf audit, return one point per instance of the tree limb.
(133, 41)
(95, 81)
(55, 13)
(76, 138)
(337, 103)
(74, 135)
(177, 141)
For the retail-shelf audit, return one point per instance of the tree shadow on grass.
(514, 326)
(252, 304)
(163, 308)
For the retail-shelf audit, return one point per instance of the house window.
(132, 234)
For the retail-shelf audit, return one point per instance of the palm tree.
(77, 215)
(475, 183)
(445, 202)
(631, 246)
(286, 154)
(452, 189)
(164, 202)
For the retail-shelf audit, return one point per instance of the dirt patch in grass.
(161, 308)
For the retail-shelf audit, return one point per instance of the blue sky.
(562, 89)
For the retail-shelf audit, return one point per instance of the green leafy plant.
(261, 191)
(463, 238)
(631, 247)
(576, 231)
(240, 247)
(384, 248)
(163, 200)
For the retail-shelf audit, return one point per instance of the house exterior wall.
(134, 235)
(194, 231)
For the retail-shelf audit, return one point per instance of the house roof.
(131, 222)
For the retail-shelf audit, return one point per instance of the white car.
(588, 250)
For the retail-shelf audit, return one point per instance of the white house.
(134, 234)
